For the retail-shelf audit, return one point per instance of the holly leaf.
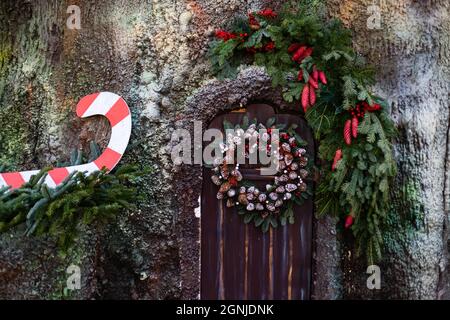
(293, 93)
(273, 222)
(254, 40)
(258, 221)
(227, 125)
(265, 226)
(270, 122)
(248, 218)
(245, 122)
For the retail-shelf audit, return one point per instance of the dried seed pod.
(225, 187)
(216, 180)
(242, 198)
(303, 162)
(273, 196)
(251, 196)
(291, 187)
(288, 158)
(286, 147)
(302, 187)
(303, 173)
(237, 174)
(262, 197)
(300, 152)
(230, 203)
(225, 172)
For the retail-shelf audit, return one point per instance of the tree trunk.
(411, 55)
(153, 53)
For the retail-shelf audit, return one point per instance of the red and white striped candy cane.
(107, 104)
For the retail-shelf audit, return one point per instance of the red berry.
(348, 221)
(300, 75)
(294, 47)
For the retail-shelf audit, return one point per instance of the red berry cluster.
(267, 13)
(358, 111)
(225, 35)
(253, 22)
(269, 46)
(299, 53)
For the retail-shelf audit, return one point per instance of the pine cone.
(305, 97)
(299, 54)
(337, 157)
(312, 96)
(355, 123)
(347, 132)
(313, 82)
(315, 74)
(322, 77)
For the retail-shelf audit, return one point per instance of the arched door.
(239, 261)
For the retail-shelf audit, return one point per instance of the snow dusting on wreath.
(266, 208)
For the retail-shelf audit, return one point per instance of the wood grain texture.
(252, 264)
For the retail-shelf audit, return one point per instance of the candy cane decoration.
(106, 104)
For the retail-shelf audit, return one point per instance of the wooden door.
(239, 261)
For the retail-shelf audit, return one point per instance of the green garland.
(273, 206)
(311, 59)
(79, 199)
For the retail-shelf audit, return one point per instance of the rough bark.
(411, 54)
